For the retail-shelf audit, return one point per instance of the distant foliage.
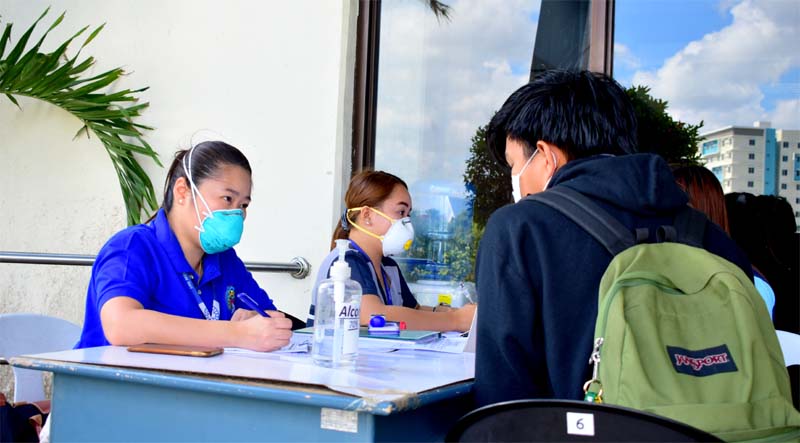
(488, 184)
(674, 140)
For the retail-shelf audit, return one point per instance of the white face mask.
(397, 239)
(515, 189)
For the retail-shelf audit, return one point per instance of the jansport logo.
(702, 362)
(698, 363)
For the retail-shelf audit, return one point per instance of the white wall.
(274, 78)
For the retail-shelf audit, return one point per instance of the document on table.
(450, 343)
(299, 343)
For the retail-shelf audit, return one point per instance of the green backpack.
(681, 332)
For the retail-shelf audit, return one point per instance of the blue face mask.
(220, 230)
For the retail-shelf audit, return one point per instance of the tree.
(659, 133)
(488, 184)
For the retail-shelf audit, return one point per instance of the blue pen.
(246, 299)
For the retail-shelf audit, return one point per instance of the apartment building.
(758, 159)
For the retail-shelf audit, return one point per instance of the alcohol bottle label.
(348, 310)
(349, 317)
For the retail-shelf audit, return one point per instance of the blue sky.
(657, 29)
(726, 62)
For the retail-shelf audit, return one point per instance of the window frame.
(600, 22)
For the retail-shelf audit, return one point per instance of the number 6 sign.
(580, 424)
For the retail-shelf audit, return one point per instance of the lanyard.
(387, 289)
(214, 315)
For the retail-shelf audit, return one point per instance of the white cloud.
(786, 114)
(720, 78)
(624, 56)
(440, 81)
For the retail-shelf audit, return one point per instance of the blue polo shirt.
(145, 262)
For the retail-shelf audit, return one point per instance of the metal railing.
(298, 267)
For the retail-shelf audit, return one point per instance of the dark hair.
(763, 226)
(367, 188)
(704, 191)
(207, 158)
(583, 113)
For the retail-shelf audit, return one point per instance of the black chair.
(567, 420)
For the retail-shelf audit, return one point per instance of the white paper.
(297, 344)
(450, 345)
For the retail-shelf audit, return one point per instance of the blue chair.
(25, 334)
(567, 420)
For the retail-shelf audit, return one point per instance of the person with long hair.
(377, 222)
(171, 279)
(704, 192)
(706, 195)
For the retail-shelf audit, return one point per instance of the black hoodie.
(538, 275)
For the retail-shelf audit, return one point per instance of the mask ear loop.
(355, 225)
(195, 192)
(555, 162)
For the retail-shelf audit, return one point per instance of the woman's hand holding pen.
(243, 314)
(264, 333)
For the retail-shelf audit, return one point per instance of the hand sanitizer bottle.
(337, 312)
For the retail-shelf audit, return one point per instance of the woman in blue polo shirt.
(377, 224)
(161, 282)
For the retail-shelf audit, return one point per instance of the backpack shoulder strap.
(691, 227)
(607, 230)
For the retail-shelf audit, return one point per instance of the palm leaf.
(439, 9)
(56, 79)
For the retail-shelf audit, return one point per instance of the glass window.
(784, 172)
(751, 156)
(439, 83)
(751, 170)
(710, 147)
(785, 158)
(717, 172)
(752, 142)
(749, 184)
(783, 185)
(785, 144)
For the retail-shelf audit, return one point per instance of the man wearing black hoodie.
(537, 272)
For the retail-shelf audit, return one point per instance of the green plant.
(57, 79)
(659, 133)
(488, 184)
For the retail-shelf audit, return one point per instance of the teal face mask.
(220, 230)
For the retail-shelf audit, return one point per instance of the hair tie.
(345, 222)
